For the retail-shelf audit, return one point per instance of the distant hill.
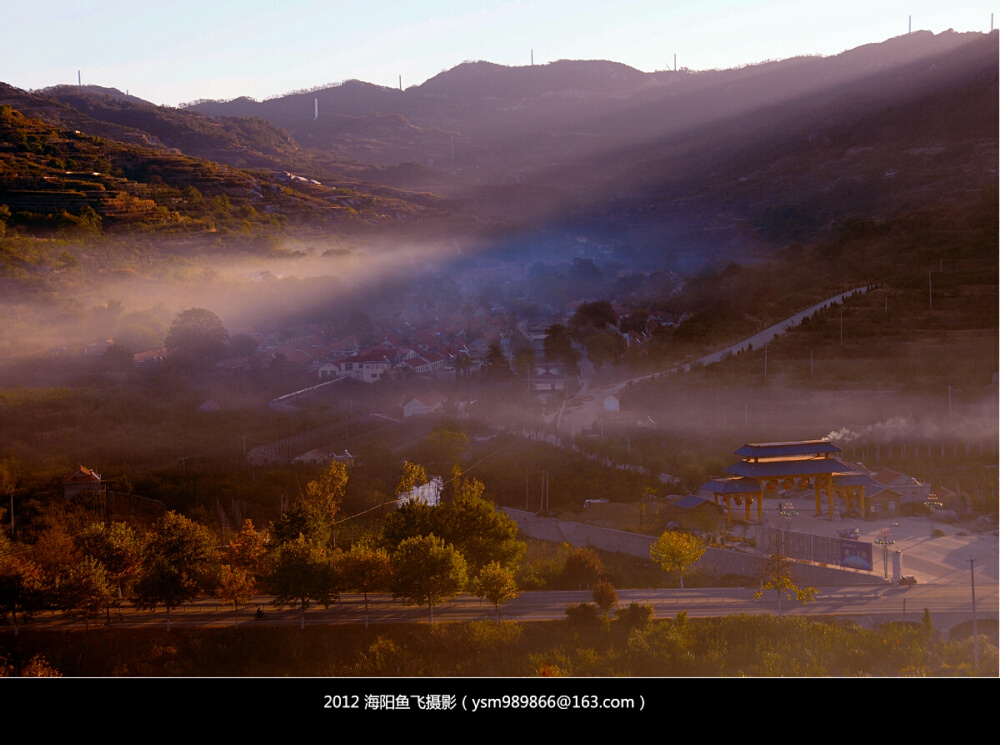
(764, 143)
(698, 166)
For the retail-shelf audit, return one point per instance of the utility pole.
(975, 628)
(675, 61)
(930, 291)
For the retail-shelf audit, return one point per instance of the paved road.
(864, 601)
(581, 411)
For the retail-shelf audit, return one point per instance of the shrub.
(584, 614)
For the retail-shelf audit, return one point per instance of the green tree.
(426, 571)
(301, 574)
(524, 361)
(478, 529)
(87, 590)
(162, 582)
(496, 362)
(776, 575)
(676, 550)
(117, 547)
(495, 583)
(559, 348)
(413, 518)
(366, 570)
(197, 337)
(304, 518)
(179, 556)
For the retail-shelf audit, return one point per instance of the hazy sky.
(181, 50)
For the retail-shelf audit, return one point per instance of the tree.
(302, 574)
(304, 518)
(559, 347)
(248, 548)
(776, 575)
(676, 550)
(87, 590)
(117, 547)
(326, 493)
(236, 586)
(496, 362)
(476, 528)
(413, 475)
(197, 337)
(21, 587)
(496, 584)
(582, 568)
(366, 570)
(179, 554)
(426, 571)
(163, 583)
(413, 518)
(524, 360)
(605, 596)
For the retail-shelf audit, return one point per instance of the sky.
(175, 51)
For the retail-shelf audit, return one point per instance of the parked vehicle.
(849, 533)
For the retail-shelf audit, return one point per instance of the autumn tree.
(676, 550)
(414, 475)
(366, 570)
(605, 596)
(21, 587)
(495, 583)
(325, 494)
(247, 549)
(301, 574)
(237, 586)
(426, 571)
(583, 567)
(776, 574)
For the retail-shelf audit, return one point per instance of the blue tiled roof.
(786, 449)
(776, 469)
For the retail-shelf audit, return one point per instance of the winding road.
(581, 411)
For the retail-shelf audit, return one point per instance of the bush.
(635, 615)
(584, 614)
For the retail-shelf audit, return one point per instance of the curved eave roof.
(787, 449)
(777, 469)
(854, 479)
(732, 486)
